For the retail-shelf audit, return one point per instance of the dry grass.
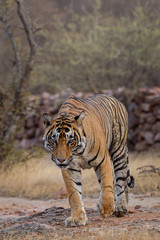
(36, 178)
(146, 182)
(129, 234)
(40, 178)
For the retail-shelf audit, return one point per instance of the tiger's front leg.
(72, 179)
(106, 199)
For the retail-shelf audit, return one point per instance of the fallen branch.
(151, 169)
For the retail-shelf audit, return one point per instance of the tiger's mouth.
(64, 164)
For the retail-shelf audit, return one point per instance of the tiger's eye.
(66, 129)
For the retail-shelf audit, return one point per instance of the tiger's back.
(110, 112)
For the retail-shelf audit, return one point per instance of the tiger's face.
(64, 137)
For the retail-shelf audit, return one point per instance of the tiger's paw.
(121, 207)
(106, 207)
(81, 220)
(120, 211)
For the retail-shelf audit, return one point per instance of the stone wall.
(144, 116)
(144, 119)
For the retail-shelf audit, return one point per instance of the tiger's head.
(64, 137)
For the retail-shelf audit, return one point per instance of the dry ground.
(44, 219)
(34, 219)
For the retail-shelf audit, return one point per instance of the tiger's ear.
(47, 119)
(79, 118)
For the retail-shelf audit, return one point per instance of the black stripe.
(95, 157)
(120, 193)
(120, 158)
(118, 147)
(62, 165)
(67, 124)
(118, 153)
(118, 165)
(92, 146)
(123, 178)
(84, 133)
(80, 153)
(119, 185)
(115, 151)
(79, 192)
(121, 168)
(72, 106)
(77, 183)
(77, 134)
(108, 187)
(74, 170)
(99, 164)
(67, 104)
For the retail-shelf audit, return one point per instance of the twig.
(17, 59)
(21, 76)
(152, 169)
(31, 42)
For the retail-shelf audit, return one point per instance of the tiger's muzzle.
(62, 163)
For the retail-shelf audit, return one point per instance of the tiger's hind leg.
(122, 175)
(104, 175)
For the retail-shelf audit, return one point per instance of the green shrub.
(96, 51)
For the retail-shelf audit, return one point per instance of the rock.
(131, 106)
(151, 118)
(143, 90)
(137, 111)
(79, 94)
(148, 136)
(131, 211)
(157, 137)
(156, 112)
(146, 127)
(139, 146)
(144, 116)
(133, 121)
(137, 207)
(145, 107)
(156, 127)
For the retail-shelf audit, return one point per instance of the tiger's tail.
(131, 182)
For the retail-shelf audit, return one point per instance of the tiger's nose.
(61, 160)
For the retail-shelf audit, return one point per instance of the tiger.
(91, 133)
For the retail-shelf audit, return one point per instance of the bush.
(96, 51)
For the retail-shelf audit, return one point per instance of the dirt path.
(45, 219)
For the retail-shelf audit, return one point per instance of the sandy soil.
(45, 219)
